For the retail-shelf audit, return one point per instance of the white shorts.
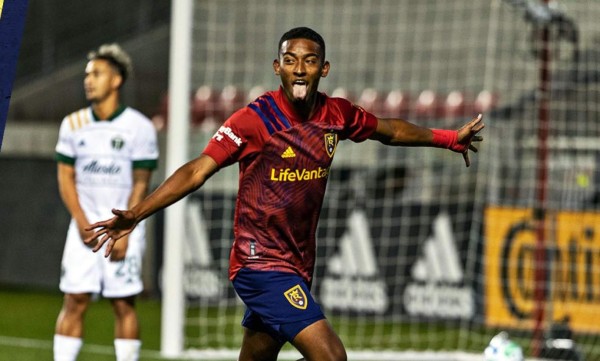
(83, 271)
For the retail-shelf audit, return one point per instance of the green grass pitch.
(27, 321)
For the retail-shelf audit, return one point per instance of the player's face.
(101, 80)
(300, 66)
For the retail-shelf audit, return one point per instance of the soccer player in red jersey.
(284, 142)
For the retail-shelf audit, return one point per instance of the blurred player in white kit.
(105, 153)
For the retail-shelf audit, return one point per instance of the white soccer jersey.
(104, 154)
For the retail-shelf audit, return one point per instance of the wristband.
(446, 139)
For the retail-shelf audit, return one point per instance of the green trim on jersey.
(149, 164)
(64, 159)
(117, 112)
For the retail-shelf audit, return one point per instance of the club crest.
(117, 143)
(296, 297)
(331, 141)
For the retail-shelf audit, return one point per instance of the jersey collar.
(116, 113)
(288, 109)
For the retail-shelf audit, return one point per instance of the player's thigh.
(259, 346)
(81, 269)
(319, 342)
(124, 278)
(76, 303)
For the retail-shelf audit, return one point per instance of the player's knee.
(335, 352)
(123, 307)
(339, 354)
(330, 354)
(75, 303)
(331, 357)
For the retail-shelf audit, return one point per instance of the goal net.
(418, 255)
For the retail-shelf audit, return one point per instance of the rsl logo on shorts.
(296, 297)
(331, 141)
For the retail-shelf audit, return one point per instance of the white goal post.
(173, 304)
(418, 256)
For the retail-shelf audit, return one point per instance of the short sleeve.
(358, 123)
(65, 149)
(230, 143)
(145, 151)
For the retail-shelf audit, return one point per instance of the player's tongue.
(300, 90)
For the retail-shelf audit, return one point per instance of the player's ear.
(325, 69)
(276, 66)
(117, 81)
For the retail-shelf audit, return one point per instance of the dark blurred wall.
(57, 37)
(33, 223)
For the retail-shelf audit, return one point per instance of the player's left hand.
(468, 134)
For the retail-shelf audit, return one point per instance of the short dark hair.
(302, 32)
(116, 56)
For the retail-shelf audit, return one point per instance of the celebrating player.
(105, 153)
(284, 142)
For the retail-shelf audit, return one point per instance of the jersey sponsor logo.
(331, 141)
(95, 168)
(227, 132)
(437, 289)
(289, 153)
(117, 143)
(296, 297)
(352, 281)
(297, 175)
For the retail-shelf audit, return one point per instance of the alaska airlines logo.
(289, 153)
(226, 131)
(296, 297)
(96, 168)
(289, 175)
(331, 141)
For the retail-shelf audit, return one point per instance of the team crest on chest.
(331, 141)
(296, 297)
(117, 143)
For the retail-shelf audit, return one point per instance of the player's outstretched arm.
(400, 132)
(183, 181)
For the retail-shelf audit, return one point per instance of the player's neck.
(106, 107)
(305, 109)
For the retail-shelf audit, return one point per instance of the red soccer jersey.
(284, 164)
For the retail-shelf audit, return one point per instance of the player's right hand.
(119, 251)
(86, 235)
(110, 230)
